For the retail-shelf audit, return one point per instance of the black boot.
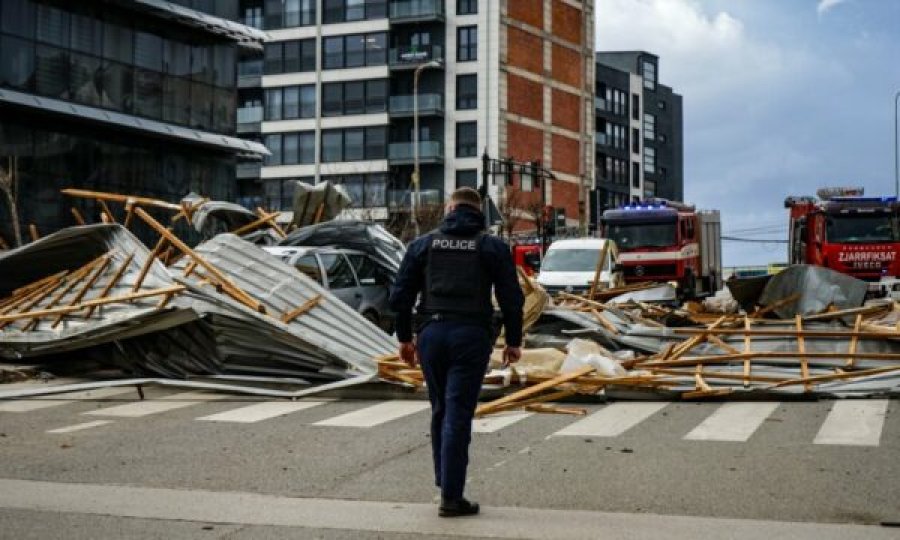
(457, 507)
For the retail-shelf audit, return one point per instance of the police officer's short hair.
(466, 195)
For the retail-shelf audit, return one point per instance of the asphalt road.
(630, 467)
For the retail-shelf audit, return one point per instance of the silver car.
(350, 275)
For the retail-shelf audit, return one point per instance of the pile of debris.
(225, 310)
(811, 335)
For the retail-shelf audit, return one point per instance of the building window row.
(298, 148)
(338, 11)
(649, 160)
(355, 50)
(649, 126)
(467, 178)
(288, 13)
(648, 71)
(467, 44)
(610, 134)
(290, 102)
(278, 194)
(466, 139)
(612, 170)
(354, 97)
(365, 190)
(467, 91)
(354, 144)
(466, 7)
(635, 174)
(610, 100)
(290, 56)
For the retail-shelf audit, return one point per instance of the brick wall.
(565, 195)
(566, 22)
(526, 50)
(566, 110)
(525, 143)
(525, 97)
(566, 65)
(565, 154)
(528, 11)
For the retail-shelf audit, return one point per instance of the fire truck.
(848, 232)
(668, 241)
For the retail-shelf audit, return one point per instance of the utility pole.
(414, 202)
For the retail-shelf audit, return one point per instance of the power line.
(754, 240)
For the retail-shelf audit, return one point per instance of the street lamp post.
(414, 202)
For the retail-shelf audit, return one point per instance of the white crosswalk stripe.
(80, 427)
(155, 406)
(732, 422)
(43, 402)
(496, 422)
(260, 411)
(612, 420)
(853, 423)
(376, 414)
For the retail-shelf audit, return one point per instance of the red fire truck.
(667, 241)
(847, 232)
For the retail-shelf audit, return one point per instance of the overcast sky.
(780, 97)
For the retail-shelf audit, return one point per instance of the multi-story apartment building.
(639, 138)
(130, 96)
(333, 97)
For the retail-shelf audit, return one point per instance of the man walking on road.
(452, 271)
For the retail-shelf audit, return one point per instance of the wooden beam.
(256, 224)
(533, 390)
(29, 301)
(725, 358)
(775, 305)
(854, 341)
(107, 211)
(552, 396)
(306, 306)
(599, 269)
(145, 268)
(79, 219)
(115, 197)
(550, 409)
(32, 230)
(233, 290)
(801, 347)
(63, 310)
(746, 351)
(809, 334)
(112, 283)
(262, 212)
(808, 381)
(604, 323)
(85, 288)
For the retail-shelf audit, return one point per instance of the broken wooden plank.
(854, 341)
(306, 306)
(112, 283)
(63, 310)
(801, 347)
(86, 287)
(79, 219)
(536, 389)
(552, 409)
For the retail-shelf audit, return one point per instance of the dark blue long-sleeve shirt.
(495, 255)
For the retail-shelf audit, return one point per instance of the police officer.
(452, 271)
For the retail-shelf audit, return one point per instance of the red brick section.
(566, 110)
(566, 66)
(525, 97)
(565, 195)
(528, 11)
(525, 50)
(524, 143)
(565, 155)
(566, 22)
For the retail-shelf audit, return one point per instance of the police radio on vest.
(455, 244)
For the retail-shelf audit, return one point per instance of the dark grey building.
(130, 96)
(639, 132)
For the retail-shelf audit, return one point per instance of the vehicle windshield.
(635, 235)
(861, 228)
(571, 260)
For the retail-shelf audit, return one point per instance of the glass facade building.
(117, 96)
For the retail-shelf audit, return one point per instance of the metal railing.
(412, 55)
(403, 151)
(249, 115)
(416, 9)
(400, 198)
(427, 103)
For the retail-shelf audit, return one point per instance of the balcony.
(414, 11)
(250, 73)
(249, 119)
(401, 153)
(411, 56)
(249, 170)
(429, 105)
(602, 138)
(399, 199)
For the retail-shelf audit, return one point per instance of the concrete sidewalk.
(231, 511)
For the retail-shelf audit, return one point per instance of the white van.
(570, 265)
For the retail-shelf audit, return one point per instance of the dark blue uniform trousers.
(454, 358)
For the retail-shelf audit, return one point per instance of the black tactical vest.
(456, 280)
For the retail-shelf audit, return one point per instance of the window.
(354, 144)
(290, 102)
(273, 143)
(466, 43)
(290, 56)
(366, 191)
(635, 140)
(376, 142)
(274, 103)
(52, 25)
(17, 67)
(467, 91)
(355, 50)
(367, 270)
(309, 266)
(338, 11)
(466, 139)
(340, 275)
(648, 70)
(290, 13)
(649, 126)
(649, 160)
(466, 7)
(635, 174)
(661, 105)
(467, 178)
(354, 97)
(17, 17)
(291, 148)
(635, 107)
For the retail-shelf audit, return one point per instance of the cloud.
(826, 5)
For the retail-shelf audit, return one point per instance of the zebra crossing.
(847, 423)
